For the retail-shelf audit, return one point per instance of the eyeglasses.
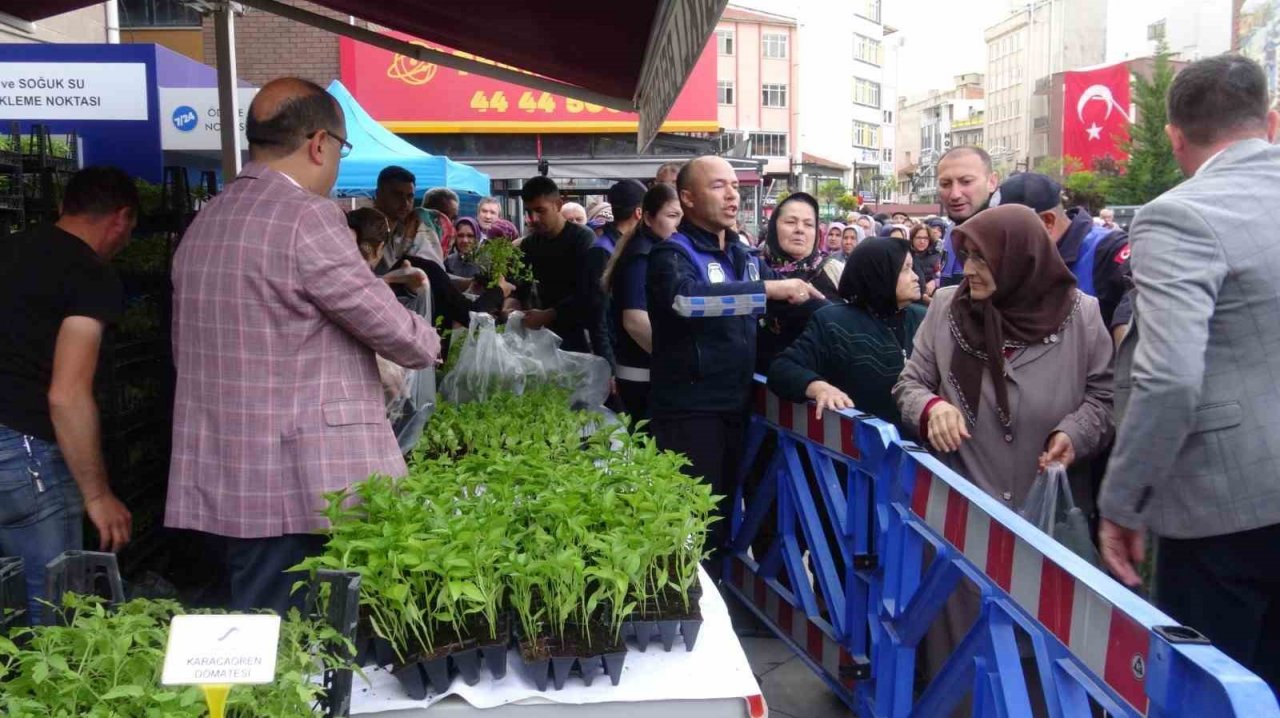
(344, 147)
(966, 256)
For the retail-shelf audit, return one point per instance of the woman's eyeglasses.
(965, 256)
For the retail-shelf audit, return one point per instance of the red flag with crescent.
(1096, 113)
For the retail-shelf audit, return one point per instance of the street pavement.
(791, 689)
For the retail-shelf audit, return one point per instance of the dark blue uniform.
(703, 306)
(599, 329)
(631, 361)
(1099, 258)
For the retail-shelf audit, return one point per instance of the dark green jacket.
(852, 350)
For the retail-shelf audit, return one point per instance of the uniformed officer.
(705, 292)
(624, 198)
(1096, 255)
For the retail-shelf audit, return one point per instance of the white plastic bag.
(1051, 508)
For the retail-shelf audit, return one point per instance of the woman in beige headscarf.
(1011, 371)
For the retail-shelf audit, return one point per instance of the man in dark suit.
(1197, 456)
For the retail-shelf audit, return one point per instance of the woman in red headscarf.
(1012, 368)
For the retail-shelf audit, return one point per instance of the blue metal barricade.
(849, 544)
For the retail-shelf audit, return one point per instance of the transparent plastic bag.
(585, 375)
(1052, 509)
(410, 399)
(518, 358)
(486, 365)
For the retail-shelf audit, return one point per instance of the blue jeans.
(41, 511)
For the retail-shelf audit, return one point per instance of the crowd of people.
(987, 334)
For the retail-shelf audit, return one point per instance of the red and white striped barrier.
(1109, 642)
(833, 430)
(816, 642)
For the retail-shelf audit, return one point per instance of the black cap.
(625, 196)
(1030, 190)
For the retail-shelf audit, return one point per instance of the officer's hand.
(793, 291)
(946, 427)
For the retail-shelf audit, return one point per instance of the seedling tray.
(13, 594)
(435, 674)
(640, 633)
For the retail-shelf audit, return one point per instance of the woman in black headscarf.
(792, 247)
(851, 354)
(792, 250)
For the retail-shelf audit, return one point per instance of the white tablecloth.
(715, 670)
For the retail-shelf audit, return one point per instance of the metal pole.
(224, 36)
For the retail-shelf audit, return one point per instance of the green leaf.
(127, 691)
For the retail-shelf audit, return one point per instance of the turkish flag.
(1096, 113)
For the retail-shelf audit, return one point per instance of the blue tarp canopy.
(375, 147)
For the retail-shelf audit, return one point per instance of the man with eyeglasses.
(277, 320)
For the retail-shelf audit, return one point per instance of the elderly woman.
(850, 237)
(1012, 368)
(835, 240)
(791, 250)
(1011, 371)
(850, 355)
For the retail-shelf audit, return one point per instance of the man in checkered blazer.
(276, 324)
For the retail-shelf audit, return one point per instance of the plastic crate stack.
(136, 376)
(48, 161)
(13, 214)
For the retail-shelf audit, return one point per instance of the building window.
(868, 50)
(886, 155)
(866, 92)
(724, 42)
(775, 45)
(866, 135)
(724, 92)
(728, 140)
(773, 95)
(888, 117)
(768, 144)
(157, 13)
(869, 9)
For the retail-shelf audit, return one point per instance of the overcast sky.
(943, 38)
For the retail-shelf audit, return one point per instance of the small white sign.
(191, 120)
(73, 91)
(221, 649)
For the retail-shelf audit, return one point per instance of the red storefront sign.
(1095, 113)
(407, 95)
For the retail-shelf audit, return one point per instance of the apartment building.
(929, 125)
(757, 88)
(1024, 50)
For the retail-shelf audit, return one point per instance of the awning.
(632, 55)
(375, 147)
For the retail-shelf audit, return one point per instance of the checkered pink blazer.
(276, 321)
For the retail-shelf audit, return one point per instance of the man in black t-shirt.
(556, 252)
(57, 293)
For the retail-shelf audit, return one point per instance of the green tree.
(830, 191)
(1151, 169)
(847, 202)
(1090, 190)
